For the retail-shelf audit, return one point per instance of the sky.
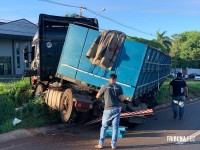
(149, 16)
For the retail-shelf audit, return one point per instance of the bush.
(34, 113)
(163, 94)
(6, 108)
(18, 92)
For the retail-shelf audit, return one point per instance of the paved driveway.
(152, 135)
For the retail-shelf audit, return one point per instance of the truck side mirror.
(33, 53)
(25, 51)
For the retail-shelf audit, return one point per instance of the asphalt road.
(152, 135)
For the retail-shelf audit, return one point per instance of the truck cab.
(47, 46)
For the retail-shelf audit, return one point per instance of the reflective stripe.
(95, 75)
(175, 101)
(181, 104)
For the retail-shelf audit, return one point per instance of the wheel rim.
(66, 105)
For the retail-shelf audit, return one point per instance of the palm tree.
(175, 44)
(165, 41)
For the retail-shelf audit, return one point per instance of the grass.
(16, 91)
(163, 96)
(34, 113)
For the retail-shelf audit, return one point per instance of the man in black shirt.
(178, 91)
(113, 95)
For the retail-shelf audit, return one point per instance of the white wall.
(177, 70)
(5, 47)
(6, 50)
(192, 70)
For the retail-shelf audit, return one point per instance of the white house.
(14, 37)
(192, 71)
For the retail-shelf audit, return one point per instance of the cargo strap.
(125, 115)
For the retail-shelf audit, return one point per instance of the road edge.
(169, 104)
(23, 133)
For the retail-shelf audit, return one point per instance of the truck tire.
(40, 88)
(66, 105)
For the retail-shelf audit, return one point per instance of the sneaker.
(113, 148)
(175, 115)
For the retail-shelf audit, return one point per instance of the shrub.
(34, 113)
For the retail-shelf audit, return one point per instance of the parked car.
(186, 76)
(197, 77)
(192, 75)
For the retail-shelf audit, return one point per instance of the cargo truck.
(47, 46)
(66, 78)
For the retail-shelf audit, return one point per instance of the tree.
(152, 43)
(186, 46)
(73, 15)
(165, 41)
(190, 47)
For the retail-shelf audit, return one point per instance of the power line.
(117, 22)
(89, 10)
(57, 3)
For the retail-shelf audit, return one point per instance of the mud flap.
(151, 102)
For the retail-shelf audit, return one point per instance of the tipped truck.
(71, 82)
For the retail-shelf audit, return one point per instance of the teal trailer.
(141, 70)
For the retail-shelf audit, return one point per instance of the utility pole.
(81, 11)
(176, 52)
(175, 61)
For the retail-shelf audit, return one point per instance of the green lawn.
(163, 96)
(34, 114)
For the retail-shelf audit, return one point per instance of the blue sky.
(173, 16)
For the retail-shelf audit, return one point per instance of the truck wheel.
(67, 105)
(40, 89)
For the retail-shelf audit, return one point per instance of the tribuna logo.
(180, 138)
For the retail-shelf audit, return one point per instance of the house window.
(27, 48)
(27, 65)
(17, 49)
(5, 65)
(18, 61)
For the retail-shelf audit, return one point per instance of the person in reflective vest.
(178, 92)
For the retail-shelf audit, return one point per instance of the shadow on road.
(165, 119)
(156, 145)
(145, 135)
